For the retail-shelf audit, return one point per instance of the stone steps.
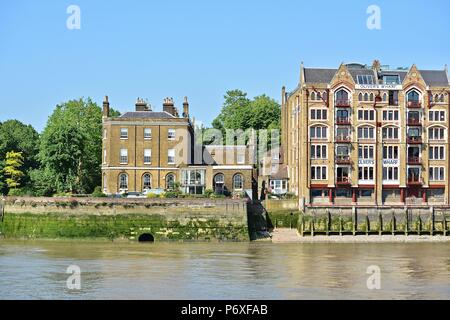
(285, 235)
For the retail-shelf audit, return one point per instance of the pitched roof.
(435, 77)
(316, 75)
(147, 114)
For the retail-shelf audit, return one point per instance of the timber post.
(355, 220)
(406, 221)
(328, 222)
(431, 220)
(393, 223)
(380, 222)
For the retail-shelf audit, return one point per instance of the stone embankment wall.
(163, 219)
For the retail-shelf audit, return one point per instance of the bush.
(208, 193)
(170, 194)
(98, 193)
(217, 196)
(152, 195)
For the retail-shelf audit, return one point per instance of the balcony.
(343, 121)
(343, 139)
(414, 104)
(341, 159)
(413, 122)
(414, 181)
(414, 140)
(343, 181)
(414, 160)
(342, 103)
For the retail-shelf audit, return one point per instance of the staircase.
(285, 235)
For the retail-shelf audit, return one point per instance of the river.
(122, 270)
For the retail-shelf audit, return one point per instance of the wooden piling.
(328, 222)
(355, 220)
(419, 227)
(444, 223)
(367, 225)
(393, 223)
(380, 223)
(431, 220)
(406, 222)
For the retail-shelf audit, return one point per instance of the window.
(365, 193)
(171, 134)
(393, 98)
(364, 79)
(436, 133)
(437, 173)
(365, 173)
(105, 183)
(238, 182)
(413, 96)
(105, 134)
(146, 181)
(390, 115)
(318, 151)
(390, 152)
(318, 132)
(171, 156)
(366, 133)
(123, 182)
(365, 152)
(319, 114)
(366, 97)
(371, 97)
(147, 133)
(436, 115)
(391, 79)
(219, 180)
(437, 152)
(319, 193)
(342, 133)
(123, 133)
(342, 151)
(313, 96)
(390, 173)
(104, 156)
(318, 172)
(360, 96)
(384, 97)
(366, 115)
(343, 193)
(390, 133)
(147, 156)
(170, 181)
(342, 95)
(123, 156)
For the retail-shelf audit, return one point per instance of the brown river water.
(262, 270)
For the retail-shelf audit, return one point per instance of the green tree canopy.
(12, 169)
(18, 137)
(71, 148)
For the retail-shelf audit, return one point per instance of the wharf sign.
(379, 86)
(390, 162)
(366, 162)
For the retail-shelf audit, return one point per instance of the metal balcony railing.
(342, 159)
(414, 104)
(414, 139)
(342, 103)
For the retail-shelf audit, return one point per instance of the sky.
(199, 49)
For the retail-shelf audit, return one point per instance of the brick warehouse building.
(368, 135)
(146, 150)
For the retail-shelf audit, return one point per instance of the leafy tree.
(70, 150)
(3, 189)
(18, 137)
(239, 112)
(13, 164)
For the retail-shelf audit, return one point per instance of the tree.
(13, 164)
(239, 112)
(18, 137)
(71, 148)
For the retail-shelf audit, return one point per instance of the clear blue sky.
(150, 49)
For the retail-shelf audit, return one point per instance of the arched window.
(219, 181)
(319, 96)
(436, 98)
(170, 181)
(436, 133)
(318, 132)
(360, 97)
(146, 181)
(341, 95)
(371, 97)
(238, 182)
(313, 96)
(123, 182)
(366, 97)
(325, 96)
(441, 98)
(413, 95)
(105, 183)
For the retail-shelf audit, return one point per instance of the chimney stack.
(169, 107)
(106, 107)
(185, 108)
(141, 105)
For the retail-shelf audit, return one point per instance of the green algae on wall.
(123, 226)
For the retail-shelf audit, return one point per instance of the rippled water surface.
(37, 270)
